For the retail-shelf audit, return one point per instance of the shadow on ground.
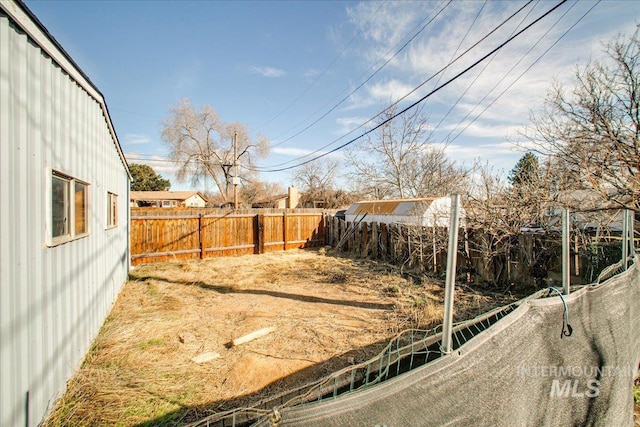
(270, 396)
(281, 387)
(275, 294)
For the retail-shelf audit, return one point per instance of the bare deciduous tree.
(498, 216)
(591, 133)
(317, 180)
(203, 145)
(401, 161)
(317, 175)
(258, 191)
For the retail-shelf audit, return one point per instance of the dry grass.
(329, 312)
(636, 400)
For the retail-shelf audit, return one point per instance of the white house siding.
(53, 299)
(195, 201)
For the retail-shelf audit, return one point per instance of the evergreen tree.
(144, 178)
(526, 171)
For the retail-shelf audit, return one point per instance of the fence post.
(284, 231)
(364, 238)
(384, 241)
(467, 253)
(374, 240)
(324, 221)
(632, 236)
(625, 238)
(451, 275)
(566, 260)
(201, 236)
(260, 219)
(433, 246)
(394, 240)
(327, 226)
(351, 238)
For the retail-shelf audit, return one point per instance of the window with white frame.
(69, 208)
(112, 210)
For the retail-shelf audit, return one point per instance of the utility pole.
(236, 179)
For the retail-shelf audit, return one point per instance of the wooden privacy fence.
(409, 246)
(525, 259)
(163, 237)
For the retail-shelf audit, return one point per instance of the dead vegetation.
(325, 312)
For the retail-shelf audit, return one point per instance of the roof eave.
(31, 25)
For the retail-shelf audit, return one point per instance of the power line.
(134, 158)
(463, 39)
(436, 127)
(148, 158)
(364, 82)
(440, 87)
(521, 74)
(292, 103)
(407, 94)
(466, 70)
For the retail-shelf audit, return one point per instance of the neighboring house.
(283, 201)
(64, 191)
(168, 199)
(426, 212)
(275, 202)
(588, 210)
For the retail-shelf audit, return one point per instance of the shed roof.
(164, 195)
(389, 207)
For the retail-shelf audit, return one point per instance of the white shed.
(426, 212)
(168, 199)
(64, 193)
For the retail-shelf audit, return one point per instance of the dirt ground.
(327, 312)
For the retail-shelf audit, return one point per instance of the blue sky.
(277, 67)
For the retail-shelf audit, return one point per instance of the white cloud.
(482, 129)
(390, 90)
(271, 72)
(502, 155)
(302, 153)
(136, 138)
(386, 24)
(510, 84)
(311, 73)
(348, 124)
(441, 41)
(291, 151)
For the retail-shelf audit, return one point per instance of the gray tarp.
(519, 372)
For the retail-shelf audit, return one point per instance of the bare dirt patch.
(327, 313)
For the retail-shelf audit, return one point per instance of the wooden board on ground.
(326, 313)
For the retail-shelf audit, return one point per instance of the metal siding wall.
(53, 300)
(14, 333)
(33, 226)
